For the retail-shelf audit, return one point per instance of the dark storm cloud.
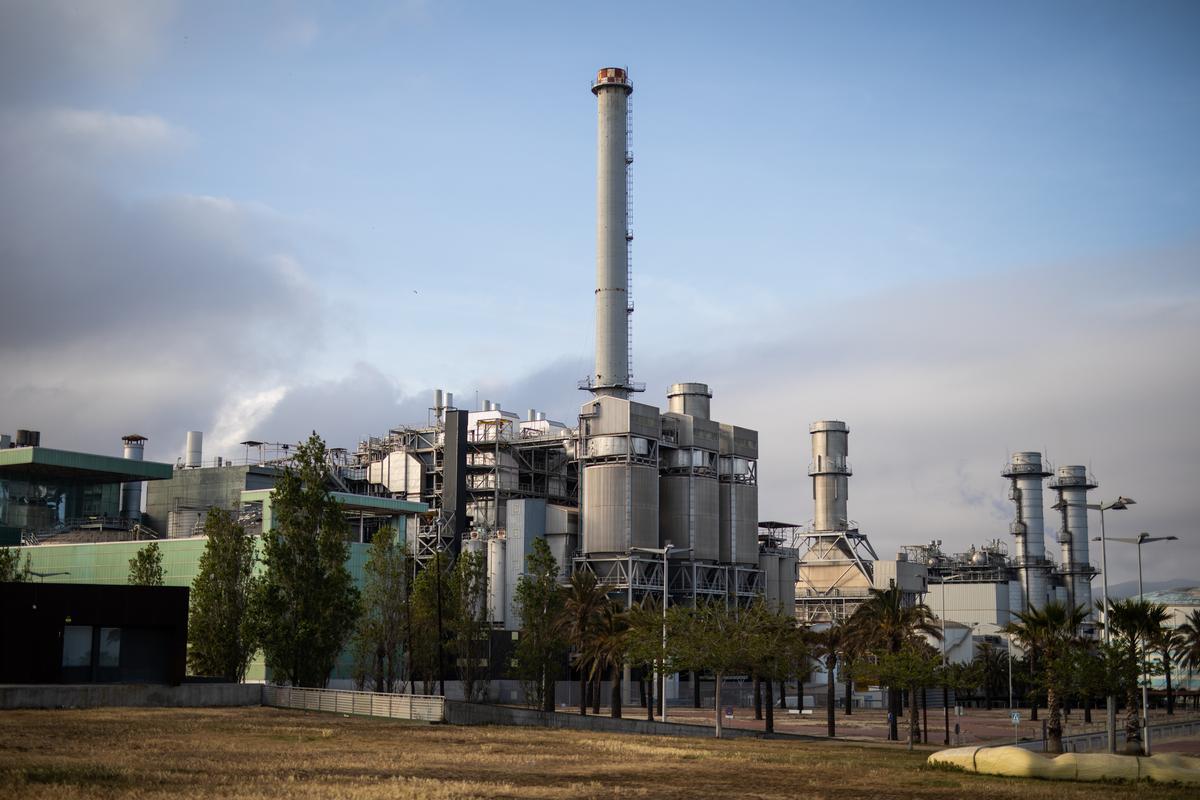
(123, 312)
(48, 44)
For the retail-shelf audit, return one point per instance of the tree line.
(290, 595)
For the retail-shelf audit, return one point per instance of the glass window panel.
(110, 647)
(77, 646)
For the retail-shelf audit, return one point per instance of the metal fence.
(1097, 741)
(430, 708)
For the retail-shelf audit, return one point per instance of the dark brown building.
(92, 633)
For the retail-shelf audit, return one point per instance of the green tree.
(884, 624)
(11, 570)
(430, 607)
(468, 619)
(378, 640)
(220, 642)
(831, 643)
(993, 665)
(1167, 640)
(305, 603)
(541, 643)
(1188, 649)
(710, 636)
(914, 666)
(644, 647)
(608, 648)
(1050, 632)
(578, 622)
(145, 568)
(1134, 621)
(774, 643)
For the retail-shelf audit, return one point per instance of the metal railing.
(430, 708)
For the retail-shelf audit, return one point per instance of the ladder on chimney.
(629, 240)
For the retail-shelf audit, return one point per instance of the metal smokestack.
(689, 398)
(1026, 473)
(195, 450)
(613, 234)
(131, 493)
(1072, 484)
(830, 473)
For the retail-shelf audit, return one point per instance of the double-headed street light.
(663, 551)
(1141, 539)
(1120, 504)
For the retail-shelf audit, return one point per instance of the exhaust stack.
(131, 493)
(613, 235)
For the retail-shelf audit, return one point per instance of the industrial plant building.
(984, 587)
(49, 494)
(838, 567)
(651, 498)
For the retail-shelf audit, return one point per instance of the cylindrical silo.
(1026, 472)
(195, 449)
(495, 578)
(620, 507)
(612, 89)
(738, 503)
(689, 398)
(830, 473)
(131, 493)
(689, 514)
(1072, 484)
(739, 523)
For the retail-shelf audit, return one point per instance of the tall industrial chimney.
(131, 493)
(613, 234)
(1072, 484)
(1026, 472)
(830, 473)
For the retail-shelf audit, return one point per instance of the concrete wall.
(188, 695)
(476, 714)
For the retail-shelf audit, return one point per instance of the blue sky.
(943, 222)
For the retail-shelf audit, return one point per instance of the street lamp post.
(1120, 504)
(1141, 539)
(1009, 650)
(663, 551)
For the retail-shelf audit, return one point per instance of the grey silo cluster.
(649, 478)
(689, 489)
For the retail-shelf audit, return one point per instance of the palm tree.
(585, 597)
(1135, 622)
(1167, 642)
(992, 663)
(852, 652)
(885, 622)
(1188, 650)
(831, 643)
(1050, 631)
(606, 649)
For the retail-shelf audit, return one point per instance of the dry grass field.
(269, 753)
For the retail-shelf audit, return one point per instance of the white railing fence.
(430, 708)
